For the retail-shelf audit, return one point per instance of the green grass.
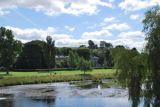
(8, 81)
(19, 78)
(74, 72)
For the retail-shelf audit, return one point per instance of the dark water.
(63, 95)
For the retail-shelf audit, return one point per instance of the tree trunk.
(7, 72)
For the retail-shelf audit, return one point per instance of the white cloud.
(132, 35)
(111, 0)
(71, 29)
(133, 5)
(2, 12)
(109, 19)
(130, 43)
(53, 7)
(70, 42)
(61, 36)
(119, 27)
(77, 42)
(134, 16)
(96, 34)
(64, 40)
(26, 35)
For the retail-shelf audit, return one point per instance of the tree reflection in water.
(49, 100)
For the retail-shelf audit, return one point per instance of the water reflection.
(48, 100)
(67, 102)
(147, 91)
(63, 95)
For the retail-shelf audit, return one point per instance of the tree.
(82, 46)
(83, 52)
(49, 52)
(37, 54)
(9, 48)
(84, 65)
(32, 56)
(92, 45)
(131, 69)
(71, 60)
(63, 51)
(152, 30)
(109, 58)
(151, 24)
(106, 45)
(105, 65)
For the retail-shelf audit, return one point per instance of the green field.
(20, 78)
(44, 73)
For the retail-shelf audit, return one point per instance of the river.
(63, 94)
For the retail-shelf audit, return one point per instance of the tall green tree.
(32, 56)
(92, 45)
(151, 24)
(105, 65)
(9, 48)
(49, 52)
(72, 60)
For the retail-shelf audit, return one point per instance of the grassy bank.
(8, 81)
(20, 78)
(44, 73)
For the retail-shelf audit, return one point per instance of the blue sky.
(74, 22)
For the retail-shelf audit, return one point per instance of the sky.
(72, 23)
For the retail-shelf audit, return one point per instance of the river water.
(63, 95)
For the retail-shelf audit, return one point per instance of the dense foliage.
(37, 54)
(9, 48)
(84, 65)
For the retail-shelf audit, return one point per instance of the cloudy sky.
(74, 22)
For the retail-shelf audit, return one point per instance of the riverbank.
(21, 80)
(64, 72)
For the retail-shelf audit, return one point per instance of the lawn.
(19, 78)
(24, 74)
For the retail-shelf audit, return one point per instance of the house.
(95, 59)
(61, 58)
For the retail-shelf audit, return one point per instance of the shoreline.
(11, 81)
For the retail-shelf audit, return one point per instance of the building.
(95, 59)
(61, 58)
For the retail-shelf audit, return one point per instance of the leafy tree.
(62, 64)
(151, 24)
(84, 65)
(109, 58)
(9, 48)
(71, 60)
(83, 52)
(63, 51)
(92, 45)
(105, 53)
(105, 65)
(82, 46)
(32, 56)
(131, 69)
(106, 45)
(49, 52)
(119, 46)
